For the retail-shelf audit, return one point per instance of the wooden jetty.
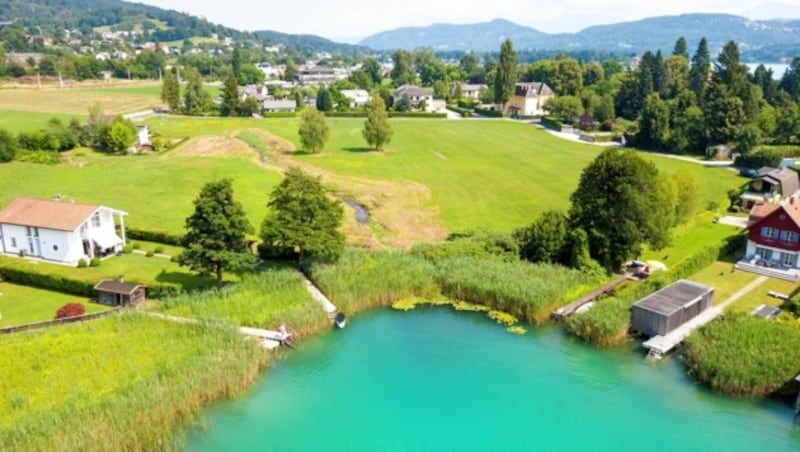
(269, 339)
(566, 311)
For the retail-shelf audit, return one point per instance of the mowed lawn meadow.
(495, 175)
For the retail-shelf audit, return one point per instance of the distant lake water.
(433, 379)
(778, 69)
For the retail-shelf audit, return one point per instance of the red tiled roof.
(45, 213)
(762, 211)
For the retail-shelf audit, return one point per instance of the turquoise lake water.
(434, 379)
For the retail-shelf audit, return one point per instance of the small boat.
(340, 320)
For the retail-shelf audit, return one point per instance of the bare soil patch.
(215, 147)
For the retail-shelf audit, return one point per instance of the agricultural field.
(76, 101)
(129, 378)
(262, 300)
(18, 121)
(21, 304)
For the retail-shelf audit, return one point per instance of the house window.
(784, 236)
(769, 233)
(13, 242)
(788, 260)
(794, 237)
(96, 220)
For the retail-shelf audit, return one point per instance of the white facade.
(358, 97)
(95, 237)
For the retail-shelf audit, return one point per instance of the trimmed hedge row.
(489, 113)
(280, 114)
(20, 272)
(464, 112)
(392, 114)
(551, 123)
(153, 236)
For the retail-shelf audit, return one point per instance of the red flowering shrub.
(70, 310)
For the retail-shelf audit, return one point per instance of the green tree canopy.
(303, 222)
(621, 204)
(118, 136)
(314, 130)
(171, 91)
(377, 130)
(506, 74)
(230, 96)
(8, 146)
(215, 233)
(195, 98)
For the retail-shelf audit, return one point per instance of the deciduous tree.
(377, 130)
(506, 74)
(303, 222)
(215, 233)
(171, 91)
(230, 96)
(314, 130)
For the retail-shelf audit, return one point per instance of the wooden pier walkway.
(320, 297)
(566, 311)
(658, 346)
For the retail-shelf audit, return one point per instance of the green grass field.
(17, 121)
(121, 99)
(489, 174)
(22, 304)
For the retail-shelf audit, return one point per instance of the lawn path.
(742, 292)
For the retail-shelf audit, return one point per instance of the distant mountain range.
(634, 37)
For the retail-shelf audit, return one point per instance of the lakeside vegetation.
(746, 356)
(129, 379)
(263, 300)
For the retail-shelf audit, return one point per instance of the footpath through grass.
(123, 383)
(22, 304)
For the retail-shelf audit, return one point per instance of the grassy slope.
(490, 174)
(21, 304)
(157, 191)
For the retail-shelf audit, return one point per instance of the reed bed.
(263, 300)
(746, 356)
(363, 279)
(126, 382)
(529, 291)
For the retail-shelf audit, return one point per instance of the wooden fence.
(57, 322)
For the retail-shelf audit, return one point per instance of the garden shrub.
(94, 262)
(70, 310)
(158, 250)
(150, 253)
(153, 236)
(551, 123)
(82, 263)
(127, 249)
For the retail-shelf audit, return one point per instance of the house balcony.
(768, 268)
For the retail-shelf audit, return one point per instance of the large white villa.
(59, 230)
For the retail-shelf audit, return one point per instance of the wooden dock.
(658, 346)
(269, 339)
(565, 311)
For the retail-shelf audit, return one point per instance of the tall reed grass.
(262, 300)
(746, 356)
(529, 291)
(126, 382)
(363, 279)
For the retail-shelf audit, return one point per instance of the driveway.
(739, 222)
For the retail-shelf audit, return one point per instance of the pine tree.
(230, 96)
(377, 130)
(215, 233)
(506, 75)
(195, 98)
(236, 65)
(700, 69)
(681, 48)
(324, 99)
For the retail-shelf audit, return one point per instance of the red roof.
(47, 214)
(761, 211)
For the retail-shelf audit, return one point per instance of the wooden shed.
(119, 293)
(665, 310)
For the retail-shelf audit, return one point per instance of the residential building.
(770, 185)
(773, 241)
(415, 95)
(260, 92)
(470, 91)
(530, 98)
(358, 97)
(119, 293)
(60, 231)
(277, 106)
(319, 75)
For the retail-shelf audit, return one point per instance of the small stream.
(362, 216)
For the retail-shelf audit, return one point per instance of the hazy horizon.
(353, 20)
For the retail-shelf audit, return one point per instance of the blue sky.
(350, 20)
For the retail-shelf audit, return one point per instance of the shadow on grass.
(300, 152)
(359, 149)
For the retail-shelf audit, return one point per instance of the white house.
(358, 97)
(415, 95)
(530, 98)
(59, 230)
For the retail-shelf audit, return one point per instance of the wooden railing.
(56, 322)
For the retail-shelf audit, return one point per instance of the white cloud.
(351, 18)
